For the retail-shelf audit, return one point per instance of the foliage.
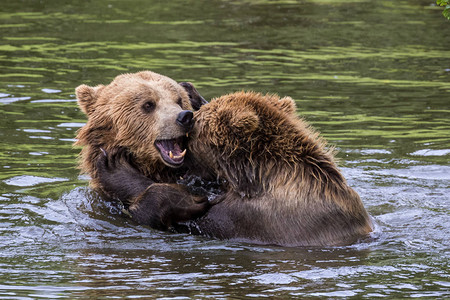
(446, 11)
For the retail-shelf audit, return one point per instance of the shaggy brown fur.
(141, 120)
(117, 119)
(283, 184)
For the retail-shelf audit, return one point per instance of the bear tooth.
(182, 154)
(171, 154)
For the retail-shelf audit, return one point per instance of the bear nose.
(186, 119)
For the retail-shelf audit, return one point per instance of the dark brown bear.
(144, 119)
(282, 186)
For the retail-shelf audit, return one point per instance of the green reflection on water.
(372, 76)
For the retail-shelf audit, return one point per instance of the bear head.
(147, 113)
(241, 136)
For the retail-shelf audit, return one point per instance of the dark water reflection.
(372, 76)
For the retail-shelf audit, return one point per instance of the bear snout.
(186, 119)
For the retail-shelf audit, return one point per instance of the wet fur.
(115, 120)
(283, 184)
(158, 205)
(119, 131)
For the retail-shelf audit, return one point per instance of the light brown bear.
(143, 117)
(281, 185)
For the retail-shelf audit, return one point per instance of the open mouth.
(172, 151)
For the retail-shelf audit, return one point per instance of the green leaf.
(446, 12)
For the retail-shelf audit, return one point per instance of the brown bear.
(144, 117)
(281, 185)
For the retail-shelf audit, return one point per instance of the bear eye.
(180, 102)
(148, 106)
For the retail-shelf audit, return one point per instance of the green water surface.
(372, 76)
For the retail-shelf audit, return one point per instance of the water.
(372, 76)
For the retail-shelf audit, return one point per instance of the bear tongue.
(171, 151)
(175, 152)
(176, 147)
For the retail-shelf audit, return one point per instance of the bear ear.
(244, 123)
(287, 104)
(194, 96)
(87, 96)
